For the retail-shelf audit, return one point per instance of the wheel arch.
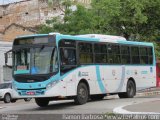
(8, 93)
(133, 80)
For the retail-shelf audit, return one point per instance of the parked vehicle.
(7, 93)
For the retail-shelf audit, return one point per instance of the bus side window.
(150, 55)
(135, 55)
(85, 53)
(68, 56)
(143, 55)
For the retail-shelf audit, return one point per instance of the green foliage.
(135, 19)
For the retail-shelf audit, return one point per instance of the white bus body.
(99, 79)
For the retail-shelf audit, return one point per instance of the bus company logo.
(82, 74)
(144, 72)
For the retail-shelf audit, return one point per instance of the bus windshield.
(37, 60)
(42, 58)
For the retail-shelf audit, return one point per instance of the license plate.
(30, 93)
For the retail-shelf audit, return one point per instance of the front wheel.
(82, 94)
(7, 98)
(42, 102)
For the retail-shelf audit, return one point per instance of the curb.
(138, 94)
(148, 93)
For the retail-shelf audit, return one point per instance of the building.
(14, 30)
(20, 17)
(5, 72)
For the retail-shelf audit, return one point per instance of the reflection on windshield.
(38, 60)
(22, 59)
(42, 60)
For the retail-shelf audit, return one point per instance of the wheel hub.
(82, 93)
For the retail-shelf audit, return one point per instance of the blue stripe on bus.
(119, 89)
(100, 83)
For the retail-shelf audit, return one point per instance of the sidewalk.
(149, 107)
(148, 92)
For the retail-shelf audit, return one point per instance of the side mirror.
(8, 58)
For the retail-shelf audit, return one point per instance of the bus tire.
(41, 102)
(97, 97)
(82, 94)
(130, 90)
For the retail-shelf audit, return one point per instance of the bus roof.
(93, 38)
(103, 37)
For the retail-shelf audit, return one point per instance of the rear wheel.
(131, 90)
(82, 94)
(7, 98)
(42, 102)
(97, 97)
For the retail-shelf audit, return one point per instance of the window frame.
(94, 53)
(78, 52)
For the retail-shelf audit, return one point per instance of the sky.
(8, 1)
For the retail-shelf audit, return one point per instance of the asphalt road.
(68, 107)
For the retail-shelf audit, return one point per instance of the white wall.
(4, 47)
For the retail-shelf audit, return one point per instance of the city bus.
(54, 66)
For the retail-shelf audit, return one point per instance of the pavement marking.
(1, 107)
(120, 110)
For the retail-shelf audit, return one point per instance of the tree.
(75, 22)
(135, 19)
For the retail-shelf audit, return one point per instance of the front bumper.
(52, 92)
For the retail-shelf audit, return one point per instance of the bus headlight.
(51, 84)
